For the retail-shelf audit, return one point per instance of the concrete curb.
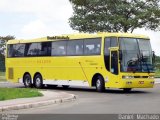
(38, 104)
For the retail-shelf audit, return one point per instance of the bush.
(2, 63)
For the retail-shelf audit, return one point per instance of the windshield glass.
(136, 55)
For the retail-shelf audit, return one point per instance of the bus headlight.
(127, 77)
(151, 77)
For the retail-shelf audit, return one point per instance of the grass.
(157, 73)
(13, 93)
(2, 73)
(2, 76)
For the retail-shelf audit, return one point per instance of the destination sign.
(57, 37)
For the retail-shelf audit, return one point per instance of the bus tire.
(38, 82)
(27, 81)
(65, 86)
(126, 90)
(100, 86)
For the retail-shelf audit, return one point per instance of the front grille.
(140, 76)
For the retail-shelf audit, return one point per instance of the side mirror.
(153, 57)
(120, 55)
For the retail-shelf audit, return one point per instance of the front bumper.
(137, 83)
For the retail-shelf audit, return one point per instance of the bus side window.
(16, 50)
(32, 49)
(44, 49)
(10, 51)
(19, 51)
(92, 46)
(49, 49)
(59, 48)
(75, 47)
(79, 49)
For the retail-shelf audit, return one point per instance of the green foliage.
(157, 65)
(115, 15)
(3, 41)
(2, 73)
(13, 93)
(157, 61)
(157, 75)
(2, 62)
(2, 77)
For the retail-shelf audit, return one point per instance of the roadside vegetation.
(157, 74)
(13, 93)
(157, 66)
(2, 77)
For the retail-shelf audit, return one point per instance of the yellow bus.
(102, 60)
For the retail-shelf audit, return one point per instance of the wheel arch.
(37, 73)
(26, 74)
(94, 78)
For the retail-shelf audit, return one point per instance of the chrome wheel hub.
(38, 81)
(98, 83)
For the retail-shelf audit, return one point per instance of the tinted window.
(107, 46)
(114, 62)
(114, 42)
(32, 49)
(10, 49)
(110, 42)
(16, 50)
(75, 47)
(44, 48)
(59, 48)
(92, 46)
(107, 53)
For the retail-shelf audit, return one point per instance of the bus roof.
(78, 36)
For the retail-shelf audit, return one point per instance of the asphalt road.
(91, 102)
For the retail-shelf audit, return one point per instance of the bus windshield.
(136, 55)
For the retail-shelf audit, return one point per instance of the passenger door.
(114, 62)
(111, 60)
(114, 69)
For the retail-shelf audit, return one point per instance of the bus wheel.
(65, 86)
(27, 81)
(100, 87)
(38, 81)
(126, 90)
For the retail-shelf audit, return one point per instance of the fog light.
(151, 77)
(127, 77)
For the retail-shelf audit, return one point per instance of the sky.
(27, 19)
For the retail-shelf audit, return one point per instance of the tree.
(3, 41)
(115, 15)
(2, 62)
(157, 62)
